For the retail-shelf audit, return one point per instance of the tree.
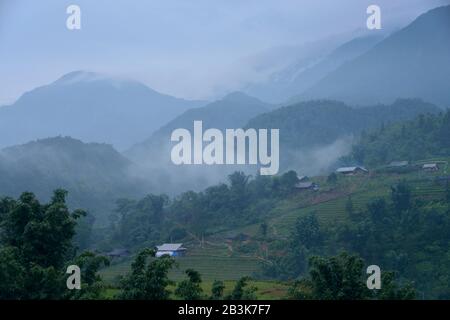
(342, 278)
(307, 232)
(242, 291)
(447, 193)
(190, 289)
(332, 178)
(217, 290)
(12, 275)
(306, 239)
(147, 280)
(92, 285)
(264, 227)
(390, 290)
(337, 278)
(238, 190)
(287, 182)
(378, 211)
(349, 208)
(138, 223)
(401, 197)
(36, 245)
(334, 278)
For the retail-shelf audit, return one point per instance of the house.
(170, 249)
(307, 186)
(118, 253)
(430, 167)
(303, 178)
(352, 170)
(398, 164)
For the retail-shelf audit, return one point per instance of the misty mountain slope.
(94, 174)
(153, 155)
(298, 77)
(412, 63)
(233, 111)
(314, 134)
(90, 107)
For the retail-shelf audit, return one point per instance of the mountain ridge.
(413, 62)
(91, 107)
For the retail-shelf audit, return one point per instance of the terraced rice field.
(210, 265)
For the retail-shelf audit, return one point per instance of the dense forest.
(155, 218)
(320, 122)
(36, 248)
(405, 235)
(426, 136)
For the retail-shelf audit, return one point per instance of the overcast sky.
(186, 48)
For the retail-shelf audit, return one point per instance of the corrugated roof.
(170, 247)
(304, 185)
(350, 169)
(399, 163)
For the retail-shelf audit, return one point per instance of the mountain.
(411, 63)
(232, 111)
(417, 139)
(299, 76)
(90, 107)
(153, 155)
(94, 174)
(314, 134)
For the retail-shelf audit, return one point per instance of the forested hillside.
(314, 134)
(426, 136)
(95, 174)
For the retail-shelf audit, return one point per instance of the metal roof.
(170, 247)
(304, 185)
(350, 169)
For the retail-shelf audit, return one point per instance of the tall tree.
(242, 290)
(217, 290)
(190, 289)
(36, 245)
(147, 280)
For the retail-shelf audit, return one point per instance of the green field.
(214, 262)
(266, 290)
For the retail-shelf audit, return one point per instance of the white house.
(352, 170)
(170, 249)
(430, 167)
(307, 186)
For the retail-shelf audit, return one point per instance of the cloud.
(192, 49)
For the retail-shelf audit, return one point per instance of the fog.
(190, 49)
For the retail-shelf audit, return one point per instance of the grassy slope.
(267, 290)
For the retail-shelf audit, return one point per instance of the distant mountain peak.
(411, 63)
(92, 107)
(80, 76)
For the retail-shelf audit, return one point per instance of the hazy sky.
(187, 48)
